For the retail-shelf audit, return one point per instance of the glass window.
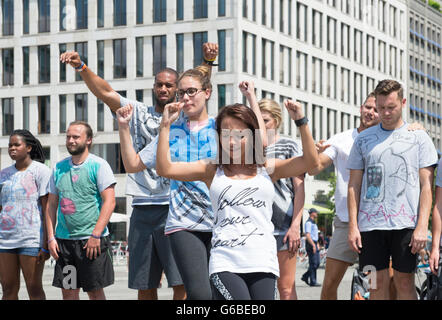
(44, 64)
(25, 16)
(100, 115)
(62, 49)
(81, 107)
(199, 38)
(100, 13)
(221, 95)
(200, 9)
(119, 12)
(120, 58)
(139, 11)
(8, 17)
(26, 113)
(159, 11)
(44, 22)
(139, 95)
(44, 114)
(8, 116)
(222, 50)
(221, 8)
(62, 15)
(62, 113)
(112, 154)
(159, 53)
(140, 56)
(100, 58)
(81, 48)
(81, 7)
(25, 65)
(180, 52)
(180, 9)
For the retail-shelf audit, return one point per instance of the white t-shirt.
(242, 240)
(338, 152)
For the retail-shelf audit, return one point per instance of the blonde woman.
(289, 200)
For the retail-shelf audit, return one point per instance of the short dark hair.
(168, 70)
(385, 87)
(312, 210)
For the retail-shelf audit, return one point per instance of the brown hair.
(89, 132)
(202, 73)
(248, 117)
(385, 87)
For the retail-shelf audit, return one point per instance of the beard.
(78, 149)
(162, 104)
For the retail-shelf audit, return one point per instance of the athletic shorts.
(379, 245)
(149, 249)
(32, 252)
(339, 249)
(74, 270)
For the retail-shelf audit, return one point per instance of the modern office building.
(327, 54)
(425, 60)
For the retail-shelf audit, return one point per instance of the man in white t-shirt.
(339, 254)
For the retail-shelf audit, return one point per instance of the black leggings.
(191, 251)
(244, 286)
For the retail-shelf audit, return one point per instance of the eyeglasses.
(191, 92)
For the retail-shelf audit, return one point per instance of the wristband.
(210, 62)
(95, 237)
(81, 67)
(44, 250)
(301, 121)
(51, 239)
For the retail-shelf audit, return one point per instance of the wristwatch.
(301, 121)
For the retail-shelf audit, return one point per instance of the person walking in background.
(289, 200)
(311, 244)
(390, 194)
(23, 202)
(81, 202)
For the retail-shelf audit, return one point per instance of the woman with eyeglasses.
(190, 219)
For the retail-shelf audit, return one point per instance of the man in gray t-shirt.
(150, 252)
(389, 194)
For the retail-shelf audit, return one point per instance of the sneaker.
(305, 279)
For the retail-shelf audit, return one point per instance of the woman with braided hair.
(23, 198)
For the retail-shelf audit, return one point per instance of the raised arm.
(98, 86)
(309, 160)
(210, 52)
(183, 171)
(324, 160)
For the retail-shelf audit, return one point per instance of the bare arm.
(419, 238)
(353, 198)
(51, 220)
(98, 86)
(324, 162)
(436, 231)
(293, 235)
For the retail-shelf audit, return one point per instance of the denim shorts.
(33, 252)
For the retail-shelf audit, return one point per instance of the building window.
(112, 154)
(100, 13)
(199, 38)
(44, 17)
(100, 115)
(222, 50)
(159, 11)
(120, 58)
(140, 11)
(263, 11)
(301, 18)
(81, 7)
(44, 114)
(221, 8)
(44, 64)
(81, 48)
(119, 12)
(100, 58)
(81, 107)
(180, 9)
(317, 28)
(62, 15)
(25, 65)
(180, 52)
(25, 16)
(8, 116)
(221, 95)
(62, 49)
(140, 62)
(62, 113)
(245, 64)
(159, 53)
(8, 17)
(26, 113)
(139, 95)
(200, 9)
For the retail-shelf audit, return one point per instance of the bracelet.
(44, 250)
(95, 237)
(301, 121)
(81, 67)
(210, 62)
(51, 239)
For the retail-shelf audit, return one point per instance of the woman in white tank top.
(243, 259)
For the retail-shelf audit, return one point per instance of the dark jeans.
(313, 263)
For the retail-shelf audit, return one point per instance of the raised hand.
(210, 51)
(295, 109)
(124, 114)
(171, 113)
(72, 58)
(321, 146)
(247, 88)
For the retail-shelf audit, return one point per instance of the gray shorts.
(339, 248)
(149, 249)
